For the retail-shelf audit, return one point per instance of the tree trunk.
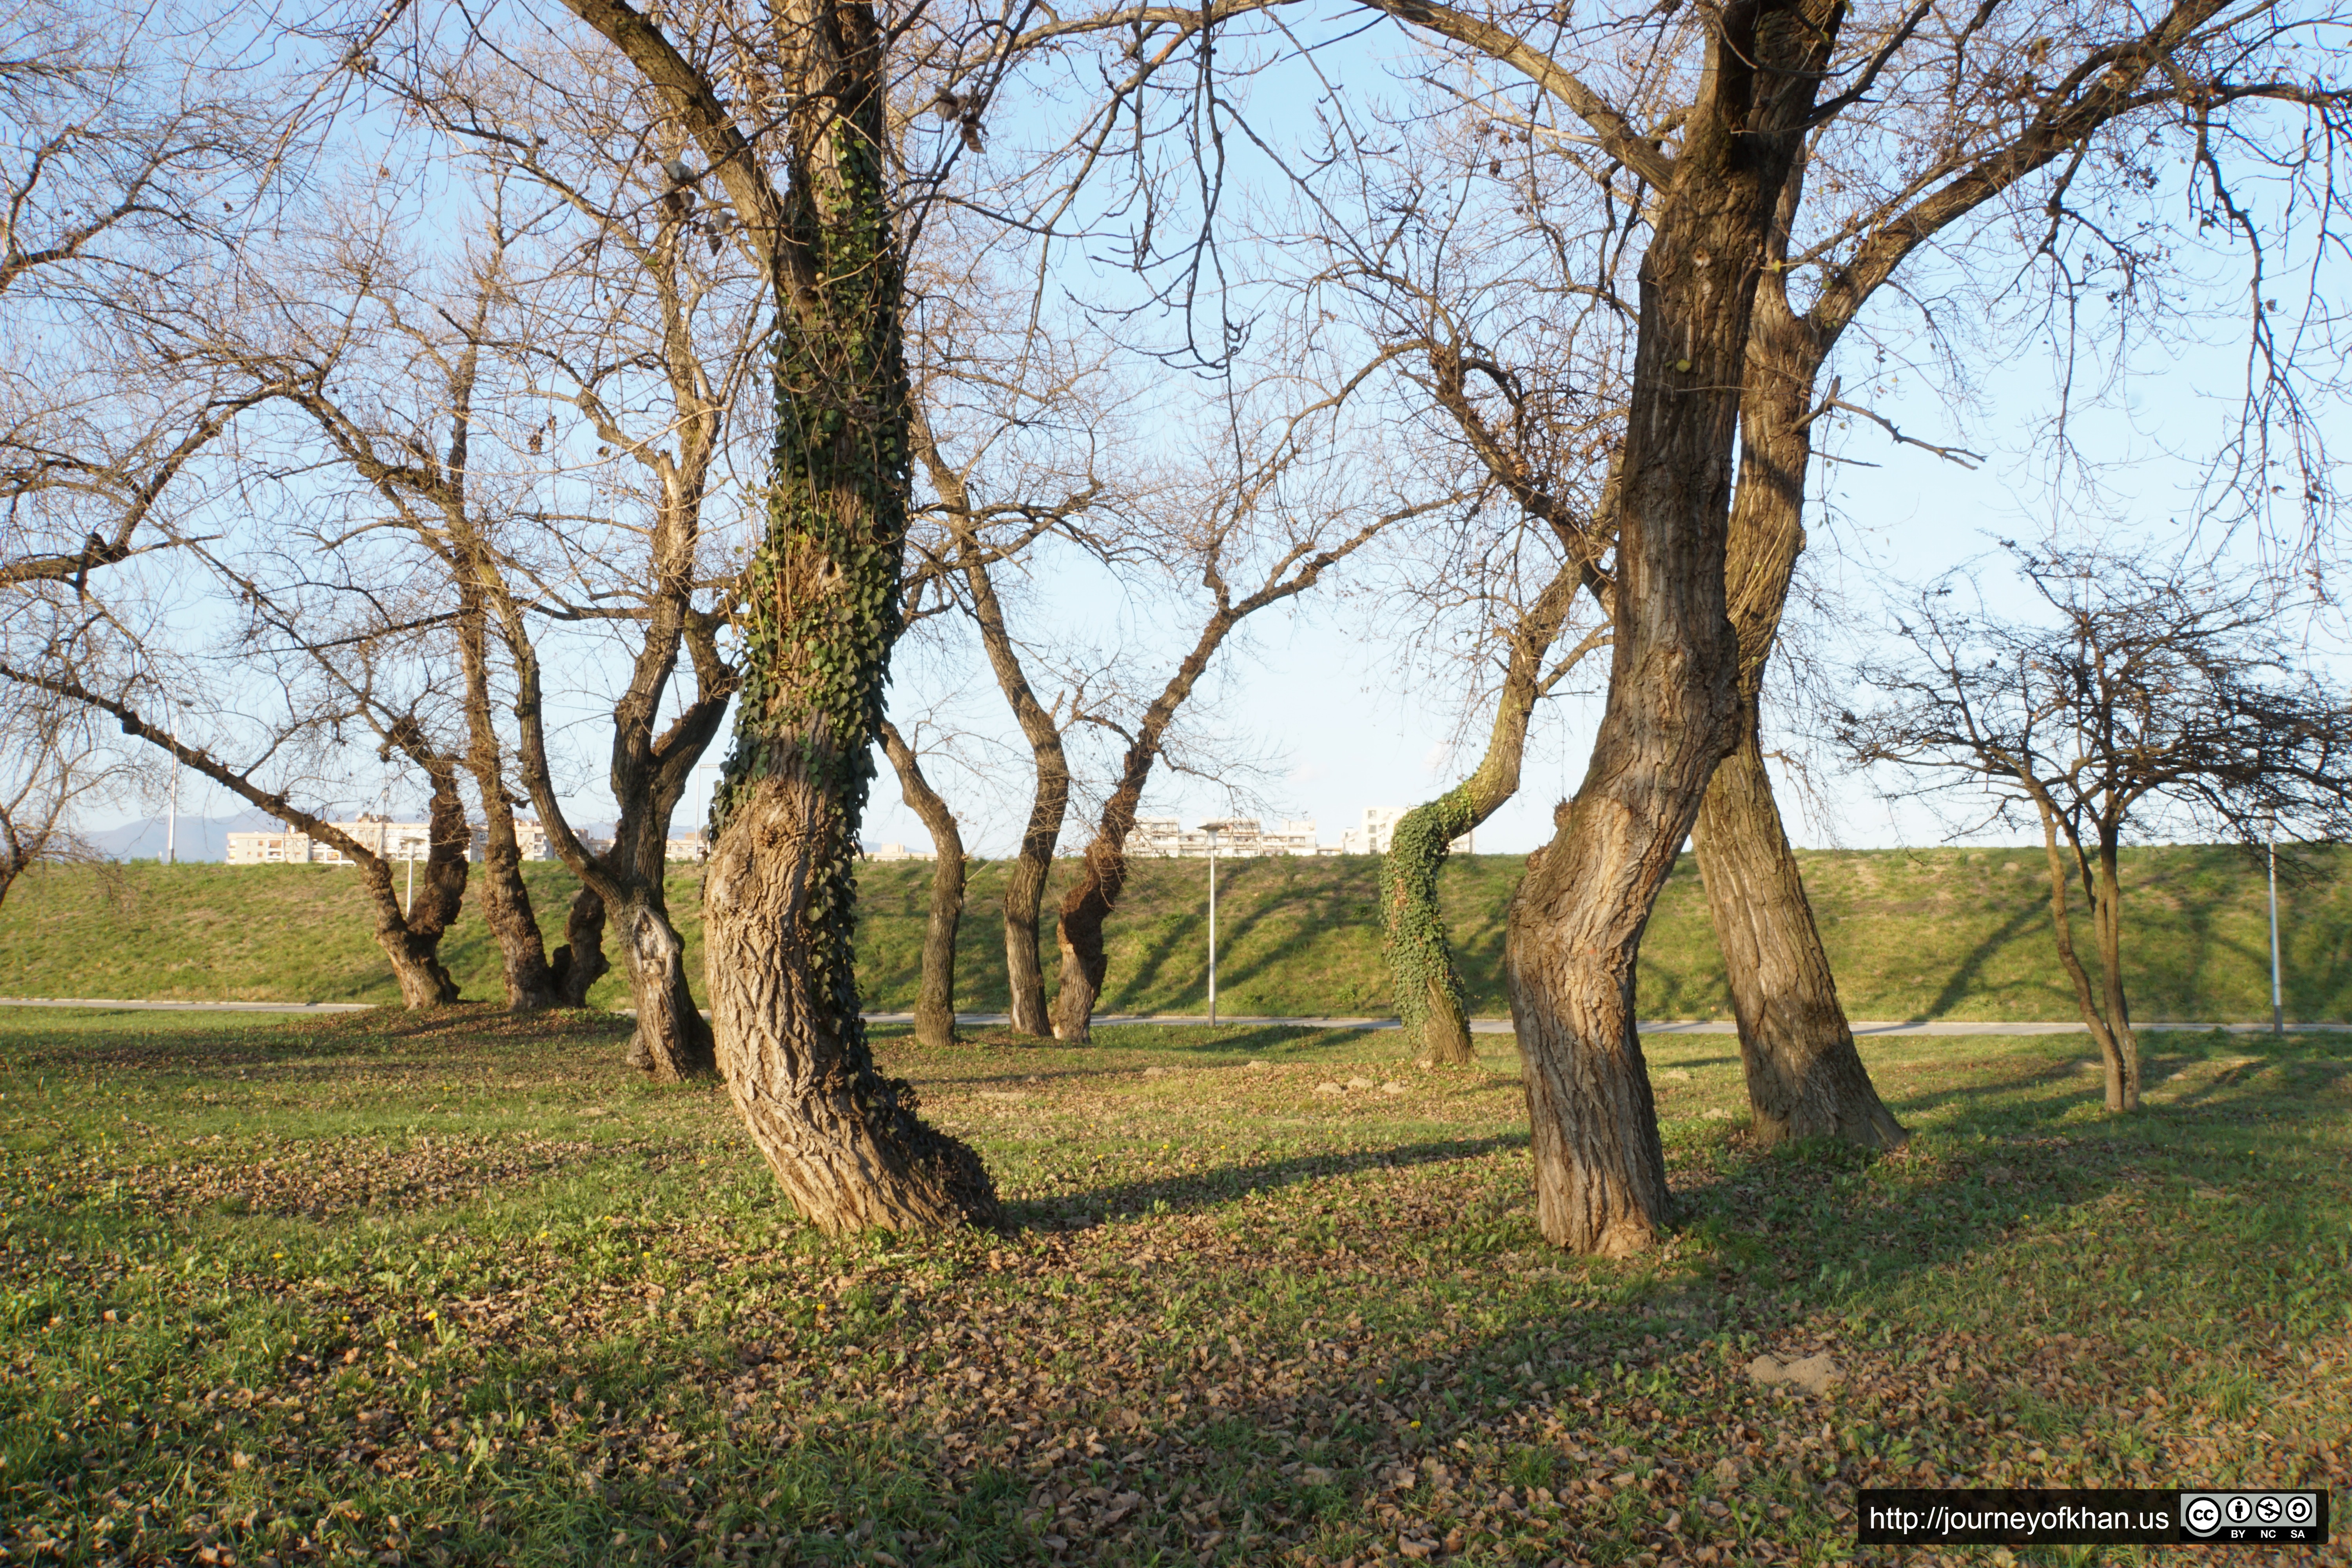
(820, 614)
(2107, 910)
(1080, 931)
(506, 910)
(1673, 707)
(1024, 887)
(1089, 902)
(935, 1002)
(673, 1042)
(580, 962)
(1025, 894)
(1805, 1079)
(411, 938)
(1428, 991)
(2086, 999)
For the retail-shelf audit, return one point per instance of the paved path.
(1477, 1026)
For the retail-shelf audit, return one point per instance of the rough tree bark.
(820, 614)
(1805, 1080)
(623, 888)
(1576, 922)
(530, 981)
(1426, 986)
(580, 962)
(935, 1002)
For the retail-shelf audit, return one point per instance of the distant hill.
(1949, 933)
(201, 838)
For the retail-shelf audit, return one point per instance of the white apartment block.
(377, 835)
(902, 852)
(1164, 838)
(1379, 826)
(691, 845)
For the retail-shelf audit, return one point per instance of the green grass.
(454, 1290)
(1912, 934)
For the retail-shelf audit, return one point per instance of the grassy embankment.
(456, 1290)
(1930, 934)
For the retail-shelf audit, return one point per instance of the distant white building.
(1164, 838)
(1379, 826)
(379, 836)
(688, 845)
(901, 852)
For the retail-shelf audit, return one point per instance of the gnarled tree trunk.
(672, 1042)
(1575, 923)
(1805, 1080)
(1102, 878)
(580, 962)
(935, 1002)
(821, 613)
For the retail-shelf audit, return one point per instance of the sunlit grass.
(460, 1290)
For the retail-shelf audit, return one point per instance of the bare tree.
(1263, 510)
(2151, 689)
(935, 1021)
(816, 201)
(634, 316)
(281, 761)
(1015, 435)
(53, 765)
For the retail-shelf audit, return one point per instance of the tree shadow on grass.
(458, 1037)
(1203, 1190)
(1961, 983)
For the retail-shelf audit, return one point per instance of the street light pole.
(1213, 829)
(171, 809)
(2278, 992)
(1213, 928)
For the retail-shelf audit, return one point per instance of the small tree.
(52, 763)
(2150, 686)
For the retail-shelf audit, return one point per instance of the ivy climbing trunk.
(935, 1002)
(1805, 1079)
(820, 614)
(1427, 988)
(1575, 923)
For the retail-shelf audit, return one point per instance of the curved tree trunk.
(1805, 1080)
(820, 614)
(1049, 801)
(935, 1002)
(1672, 707)
(1025, 889)
(506, 900)
(1088, 904)
(1079, 930)
(411, 939)
(673, 1042)
(1423, 982)
(580, 962)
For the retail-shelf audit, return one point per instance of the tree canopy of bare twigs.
(2148, 693)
